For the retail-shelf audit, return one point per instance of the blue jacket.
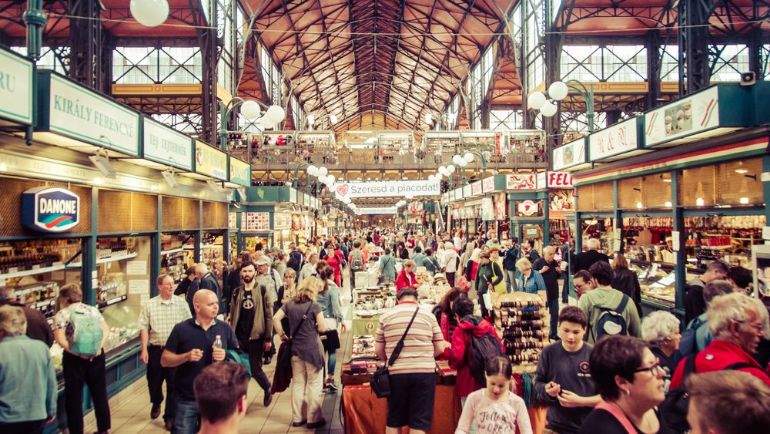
(533, 284)
(388, 268)
(28, 389)
(329, 301)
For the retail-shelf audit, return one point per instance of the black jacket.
(694, 303)
(627, 282)
(584, 260)
(486, 275)
(510, 258)
(550, 277)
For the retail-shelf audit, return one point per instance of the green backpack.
(87, 334)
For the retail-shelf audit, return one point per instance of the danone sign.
(387, 189)
(15, 88)
(167, 146)
(81, 114)
(50, 209)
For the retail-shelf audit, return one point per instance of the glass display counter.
(212, 247)
(176, 254)
(657, 282)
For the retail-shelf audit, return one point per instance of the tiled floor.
(130, 408)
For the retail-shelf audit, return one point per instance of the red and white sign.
(527, 207)
(521, 181)
(559, 180)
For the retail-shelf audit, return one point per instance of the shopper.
(406, 278)
(220, 392)
(471, 268)
(528, 251)
(562, 377)
(660, 329)
(401, 251)
(207, 280)
(469, 328)
(192, 345)
(697, 334)
(582, 282)
(737, 322)
(156, 320)
(329, 300)
(489, 283)
(741, 278)
(529, 280)
(510, 257)
(728, 402)
(188, 286)
(548, 268)
(387, 267)
(289, 285)
(233, 279)
(413, 374)
(495, 409)
(306, 322)
(630, 381)
(76, 328)
(267, 277)
(447, 320)
(449, 262)
(357, 263)
(28, 390)
(419, 257)
(334, 261)
(37, 325)
(309, 269)
(584, 260)
(694, 303)
(626, 281)
(296, 258)
(251, 318)
(431, 262)
(608, 310)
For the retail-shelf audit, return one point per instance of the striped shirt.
(417, 354)
(159, 317)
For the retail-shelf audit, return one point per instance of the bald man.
(584, 260)
(189, 349)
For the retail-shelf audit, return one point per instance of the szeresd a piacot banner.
(387, 188)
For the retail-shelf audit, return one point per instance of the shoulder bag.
(283, 374)
(381, 379)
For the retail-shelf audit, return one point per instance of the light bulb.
(699, 201)
(744, 200)
(639, 205)
(667, 204)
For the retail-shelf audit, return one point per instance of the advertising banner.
(387, 188)
(687, 116)
(614, 140)
(167, 146)
(15, 88)
(210, 161)
(521, 181)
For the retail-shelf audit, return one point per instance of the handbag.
(380, 381)
(282, 375)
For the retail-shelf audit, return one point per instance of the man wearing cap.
(251, 316)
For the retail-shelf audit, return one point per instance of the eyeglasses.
(654, 369)
(757, 326)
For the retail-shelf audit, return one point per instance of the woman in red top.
(334, 259)
(406, 279)
(468, 326)
(472, 266)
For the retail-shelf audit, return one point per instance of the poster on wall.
(521, 181)
(527, 208)
(501, 208)
(562, 200)
(255, 221)
(487, 209)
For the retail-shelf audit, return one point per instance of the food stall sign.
(240, 172)
(571, 156)
(684, 117)
(210, 161)
(521, 181)
(476, 188)
(528, 208)
(53, 210)
(15, 88)
(559, 180)
(165, 145)
(467, 191)
(621, 139)
(488, 185)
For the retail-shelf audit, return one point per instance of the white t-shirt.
(494, 417)
(449, 261)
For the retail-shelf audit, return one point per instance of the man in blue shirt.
(189, 349)
(28, 389)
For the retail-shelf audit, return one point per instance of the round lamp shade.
(312, 170)
(457, 159)
(275, 114)
(250, 109)
(548, 109)
(450, 170)
(558, 90)
(468, 157)
(536, 100)
(149, 13)
(333, 119)
(322, 171)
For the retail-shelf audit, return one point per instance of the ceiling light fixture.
(102, 163)
(169, 178)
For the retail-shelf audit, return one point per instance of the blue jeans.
(187, 417)
(553, 311)
(331, 363)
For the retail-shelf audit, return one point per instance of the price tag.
(13, 270)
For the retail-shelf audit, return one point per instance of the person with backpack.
(296, 258)
(431, 263)
(356, 261)
(609, 311)
(474, 341)
(697, 334)
(387, 267)
(738, 322)
(562, 379)
(630, 381)
(81, 331)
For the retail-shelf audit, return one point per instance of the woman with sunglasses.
(630, 380)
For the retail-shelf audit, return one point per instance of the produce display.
(522, 322)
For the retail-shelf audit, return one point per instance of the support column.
(552, 125)
(86, 43)
(105, 70)
(207, 40)
(755, 53)
(652, 47)
(694, 68)
(680, 255)
(613, 116)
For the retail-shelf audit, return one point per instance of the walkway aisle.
(131, 407)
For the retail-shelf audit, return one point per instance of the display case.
(176, 254)
(33, 271)
(657, 282)
(212, 247)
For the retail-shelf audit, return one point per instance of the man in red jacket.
(468, 326)
(737, 322)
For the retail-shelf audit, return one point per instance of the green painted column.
(766, 188)
(680, 275)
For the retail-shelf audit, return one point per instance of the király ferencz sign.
(50, 209)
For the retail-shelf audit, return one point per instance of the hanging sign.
(687, 116)
(570, 156)
(521, 181)
(488, 184)
(210, 161)
(527, 208)
(487, 209)
(166, 146)
(562, 200)
(82, 114)
(617, 139)
(476, 188)
(387, 188)
(240, 172)
(15, 88)
(558, 180)
(467, 191)
(50, 209)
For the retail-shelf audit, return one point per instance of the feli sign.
(50, 209)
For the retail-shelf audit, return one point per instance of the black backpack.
(482, 348)
(673, 409)
(611, 321)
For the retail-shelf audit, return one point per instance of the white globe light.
(275, 114)
(322, 179)
(310, 119)
(312, 170)
(330, 180)
(548, 109)
(333, 119)
(250, 109)
(536, 100)
(468, 157)
(322, 171)
(558, 90)
(451, 169)
(428, 118)
(442, 171)
(457, 159)
(149, 13)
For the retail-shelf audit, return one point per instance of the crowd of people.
(606, 370)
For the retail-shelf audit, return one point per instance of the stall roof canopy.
(403, 58)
